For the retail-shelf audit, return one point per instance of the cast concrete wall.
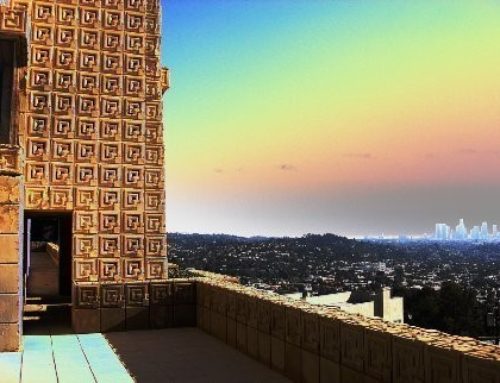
(13, 26)
(91, 129)
(311, 344)
(89, 124)
(11, 232)
(110, 307)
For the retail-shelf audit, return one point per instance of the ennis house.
(81, 190)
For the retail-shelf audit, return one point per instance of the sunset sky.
(352, 117)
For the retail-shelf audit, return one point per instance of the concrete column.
(11, 225)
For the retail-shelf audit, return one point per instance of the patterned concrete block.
(184, 293)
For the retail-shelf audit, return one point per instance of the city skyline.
(445, 232)
(346, 117)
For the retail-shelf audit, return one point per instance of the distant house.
(381, 305)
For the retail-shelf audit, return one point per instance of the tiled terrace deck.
(63, 358)
(170, 356)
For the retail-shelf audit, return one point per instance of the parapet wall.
(105, 307)
(308, 343)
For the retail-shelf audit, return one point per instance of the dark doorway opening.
(47, 272)
(7, 91)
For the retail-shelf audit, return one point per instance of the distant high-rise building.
(484, 230)
(475, 233)
(442, 232)
(460, 231)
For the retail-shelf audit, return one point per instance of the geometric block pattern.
(91, 128)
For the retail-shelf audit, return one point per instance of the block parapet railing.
(134, 305)
(309, 343)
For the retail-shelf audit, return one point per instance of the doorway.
(47, 272)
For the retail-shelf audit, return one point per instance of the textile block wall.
(93, 132)
(89, 125)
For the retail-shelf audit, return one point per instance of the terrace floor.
(63, 358)
(187, 354)
(171, 355)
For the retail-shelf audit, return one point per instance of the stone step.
(47, 318)
(45, 307)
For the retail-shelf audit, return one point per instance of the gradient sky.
(352, 117)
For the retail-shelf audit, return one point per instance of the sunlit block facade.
(82, 138)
